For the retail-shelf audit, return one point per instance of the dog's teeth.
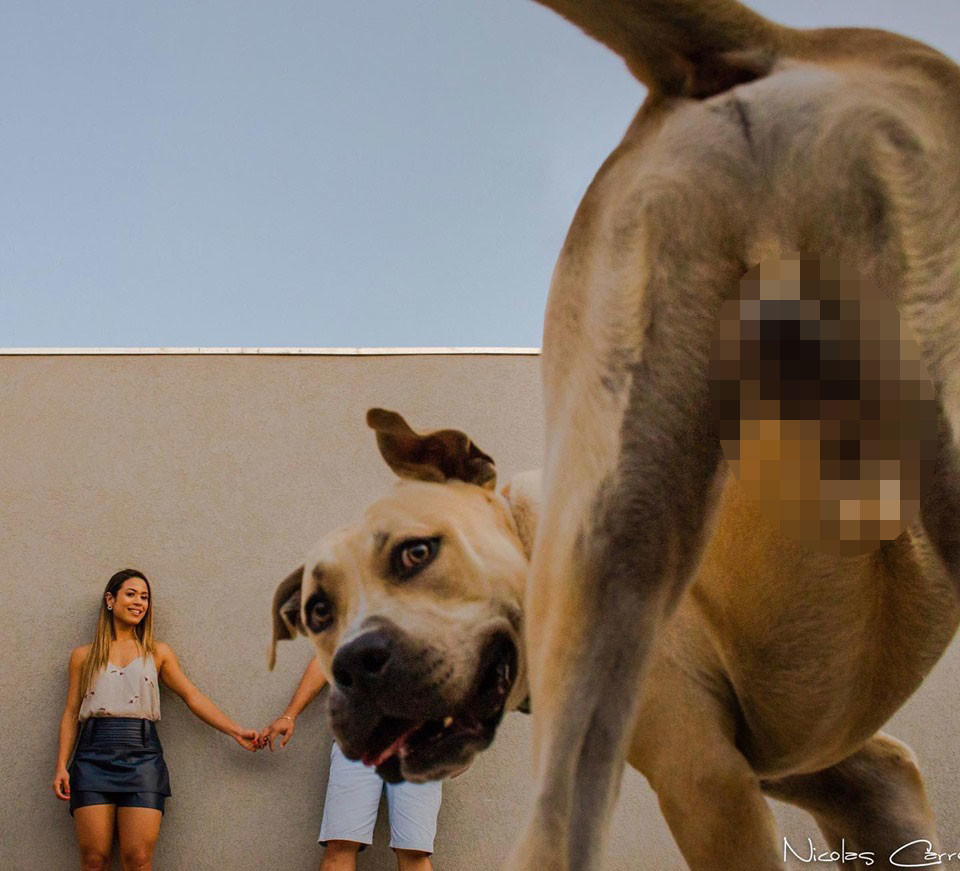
(448, 722)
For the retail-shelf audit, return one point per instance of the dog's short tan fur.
(754, 141)
(666, 621)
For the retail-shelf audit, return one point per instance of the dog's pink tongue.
(384, 755)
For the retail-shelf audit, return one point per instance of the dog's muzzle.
(388, 709)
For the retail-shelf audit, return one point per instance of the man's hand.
(281, 728)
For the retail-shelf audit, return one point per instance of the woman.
(118, 776)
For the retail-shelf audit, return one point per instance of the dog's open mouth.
(396, 741)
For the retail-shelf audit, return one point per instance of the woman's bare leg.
(138, 828)
(93, 825)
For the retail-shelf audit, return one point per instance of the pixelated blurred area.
(825, 409)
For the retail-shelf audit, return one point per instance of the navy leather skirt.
(120, 758)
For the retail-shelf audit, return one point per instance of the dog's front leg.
(874, 800)
(633, 466)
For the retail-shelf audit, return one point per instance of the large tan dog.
(668, 619)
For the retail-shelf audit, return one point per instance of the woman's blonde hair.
(99, 654)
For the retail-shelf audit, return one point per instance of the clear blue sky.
(382, 172)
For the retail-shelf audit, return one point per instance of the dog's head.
(415, 611)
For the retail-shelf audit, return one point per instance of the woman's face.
(131, 602)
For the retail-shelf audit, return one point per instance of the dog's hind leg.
(633, 467)
(874, 800)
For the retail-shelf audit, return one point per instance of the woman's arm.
(174, 678)
(68, 723)
(311, 683)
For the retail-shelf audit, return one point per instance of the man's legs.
(412, 860)
(349, 811)
(413, 822)
(340, 856)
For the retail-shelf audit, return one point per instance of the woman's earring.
(109, 607)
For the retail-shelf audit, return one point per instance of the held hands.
(61, 784)
(247, 738)
(281, 728)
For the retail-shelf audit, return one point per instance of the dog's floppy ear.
(441, 455)
(286, 612)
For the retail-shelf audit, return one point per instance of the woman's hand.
(61, 784)
(281, 728)
(249, 739)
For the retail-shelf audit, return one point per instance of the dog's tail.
(694, 48)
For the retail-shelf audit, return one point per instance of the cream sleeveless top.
(130, 691)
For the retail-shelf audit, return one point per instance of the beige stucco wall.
(213, 474)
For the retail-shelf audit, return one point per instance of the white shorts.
(353, 797)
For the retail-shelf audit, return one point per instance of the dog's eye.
(410, 556)
(319, 612)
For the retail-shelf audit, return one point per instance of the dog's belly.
(818, 651)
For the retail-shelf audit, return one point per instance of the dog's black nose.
(361, 664)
